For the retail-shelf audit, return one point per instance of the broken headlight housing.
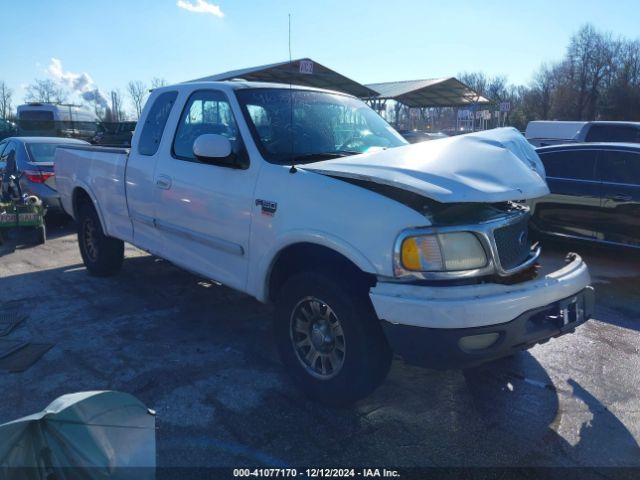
(440, 252)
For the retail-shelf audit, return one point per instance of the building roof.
(435, 92)
(302, 71)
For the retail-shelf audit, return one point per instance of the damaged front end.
(468, 189)
(468, 241)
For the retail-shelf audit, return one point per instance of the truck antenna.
(293, 168)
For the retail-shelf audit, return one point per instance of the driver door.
(204, 210)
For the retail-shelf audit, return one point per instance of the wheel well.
(80, 196)
(311, 257)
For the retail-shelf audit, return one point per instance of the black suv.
(7, 129)
(595, 193)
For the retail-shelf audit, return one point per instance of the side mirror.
(212, 148)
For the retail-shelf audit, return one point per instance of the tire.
(101, 255)
(353, 357)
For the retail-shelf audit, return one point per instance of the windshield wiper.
(309, 157)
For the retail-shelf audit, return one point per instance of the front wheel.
(102, 255)
(330, 339)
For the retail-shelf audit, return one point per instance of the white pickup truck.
(308, 199)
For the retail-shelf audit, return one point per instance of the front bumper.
(442, 348)
(425, 325)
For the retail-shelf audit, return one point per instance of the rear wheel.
(102, 255)
(330, 339)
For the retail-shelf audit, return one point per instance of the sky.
(103, 45)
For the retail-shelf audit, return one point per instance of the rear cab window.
(155, 122)
(613, 133)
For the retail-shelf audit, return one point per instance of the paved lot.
(203, 357)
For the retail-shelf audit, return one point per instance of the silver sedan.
(31, 160)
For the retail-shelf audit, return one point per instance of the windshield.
(42, 152)
(325, 125)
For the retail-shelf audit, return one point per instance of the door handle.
(616, 197)
(163, 182)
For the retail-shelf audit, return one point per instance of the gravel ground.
(203, 357)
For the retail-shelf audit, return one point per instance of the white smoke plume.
(82, 83)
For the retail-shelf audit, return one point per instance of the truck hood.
(492, 166)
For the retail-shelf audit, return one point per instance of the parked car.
(114, 134)
(7, 129)
(56, 120)
(365, 244)
(31, 159)
(417, 136)
(595, 193)
(543, 133)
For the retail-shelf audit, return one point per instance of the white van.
(56, 120)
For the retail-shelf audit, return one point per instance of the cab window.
(613, 133)
(207, 111)
(155, 122)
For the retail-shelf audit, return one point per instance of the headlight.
(442, 252)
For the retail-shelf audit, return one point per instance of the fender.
(258, 282)
(79, 184)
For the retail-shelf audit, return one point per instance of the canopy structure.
(437, 92)
(83, 435)
(303, 71)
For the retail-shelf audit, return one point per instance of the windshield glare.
(319, 125)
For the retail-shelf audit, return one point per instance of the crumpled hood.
(491, 166)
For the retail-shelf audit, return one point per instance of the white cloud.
(201, 6)
(81, 83)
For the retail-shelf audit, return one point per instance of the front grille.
(513, 243)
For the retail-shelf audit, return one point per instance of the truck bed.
(101, 170)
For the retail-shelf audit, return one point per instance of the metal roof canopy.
(437, 92)
(292, 72)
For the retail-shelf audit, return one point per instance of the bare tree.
(598, 78)
(157, 82)
(6, 95)
(114, 112)
(621, 99)
(117, 105)
(138, 93)
(46, 91)
(589, 61)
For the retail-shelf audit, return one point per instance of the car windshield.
(42, 152)
(291, 125)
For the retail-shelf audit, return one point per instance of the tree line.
(598, 78)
